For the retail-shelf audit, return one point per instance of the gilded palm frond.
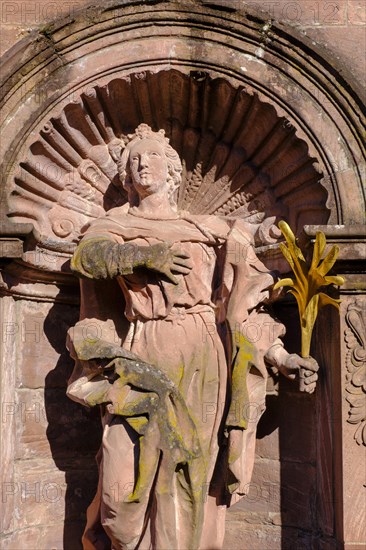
(309, 280)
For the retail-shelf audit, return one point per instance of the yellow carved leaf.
(297, 261)
(305, 288)
(325, 300)
(300, 298)
(319, 247)
(334, 280)
(329, 260)
(285, 251)
(283, 282)
(291, 240)
(307, 324)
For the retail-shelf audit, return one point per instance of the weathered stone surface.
(298, 495)
(356, 12)
(280, 490)
(39, 357)
(353, 455)
(41, 495)
(49, 424)
(42, 538)
(264, 490)
(11, 248)
(336, 27)
(30, 412)
(45, 359)
(9, 313)
(285, 434)
(264, 537)
(261, 537)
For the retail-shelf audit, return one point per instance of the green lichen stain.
(239, 392)
(157, 410)
(148, 463)
(87, 259)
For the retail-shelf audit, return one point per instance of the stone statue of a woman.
(182, 389)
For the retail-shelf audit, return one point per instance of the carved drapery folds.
(70, 175)
(355, 337)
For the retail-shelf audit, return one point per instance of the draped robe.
(198, 334)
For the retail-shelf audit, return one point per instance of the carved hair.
(143, 131)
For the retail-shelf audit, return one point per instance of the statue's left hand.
(306, 368)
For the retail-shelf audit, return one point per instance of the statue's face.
(149, 167)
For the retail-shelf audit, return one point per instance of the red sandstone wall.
(49, 486)
(53, 475)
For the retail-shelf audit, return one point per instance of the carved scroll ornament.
(355, 337)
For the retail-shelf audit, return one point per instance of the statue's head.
(169, 167)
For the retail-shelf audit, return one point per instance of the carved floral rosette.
(355, 337)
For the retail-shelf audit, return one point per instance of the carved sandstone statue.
(182, 387)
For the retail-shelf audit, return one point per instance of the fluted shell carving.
(239, 157)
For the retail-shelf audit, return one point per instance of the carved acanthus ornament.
(355, 337)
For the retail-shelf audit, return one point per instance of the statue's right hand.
(306, 368)
(166, 258)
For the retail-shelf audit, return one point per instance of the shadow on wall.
(290, 502)
(306, 441)
(74, 432)
(297, 447)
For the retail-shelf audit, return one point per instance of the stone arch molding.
(264, 130)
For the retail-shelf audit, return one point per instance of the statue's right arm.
(102, 258)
